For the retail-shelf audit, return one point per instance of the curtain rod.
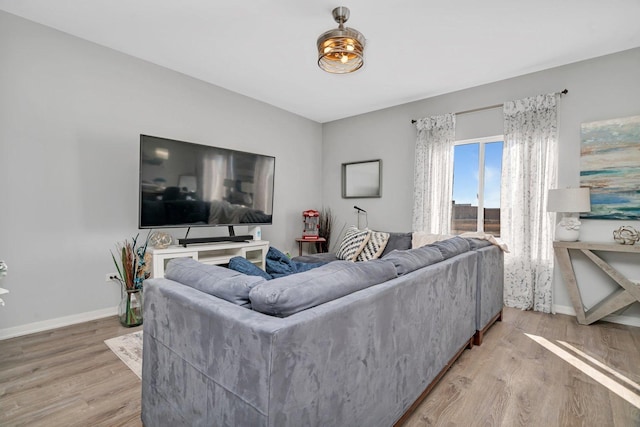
(491, 107)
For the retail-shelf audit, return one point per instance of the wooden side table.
(628, 293)
(301, 241)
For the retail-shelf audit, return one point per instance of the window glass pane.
(465, 188)
(491, 196)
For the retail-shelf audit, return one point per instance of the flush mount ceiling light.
(341, 50)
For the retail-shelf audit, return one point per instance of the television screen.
(187, 185)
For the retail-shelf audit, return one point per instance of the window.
(477, 166)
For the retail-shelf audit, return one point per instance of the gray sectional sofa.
(345, 344)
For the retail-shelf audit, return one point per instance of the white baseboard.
(622, 320)
(563, 309)
(59, 322)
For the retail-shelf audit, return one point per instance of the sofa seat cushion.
(288, 295)
(218, 281)
(277, 265)
(243, 265)
(410, 260)
(315, 258)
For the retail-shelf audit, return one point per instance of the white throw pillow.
(375, 246)
(352, 244)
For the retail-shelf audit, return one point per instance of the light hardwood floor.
(69, 377)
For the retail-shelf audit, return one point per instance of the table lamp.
(569, 201)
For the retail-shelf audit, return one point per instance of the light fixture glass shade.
(569, 200)
(341, 50)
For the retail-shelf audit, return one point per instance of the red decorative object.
(311, 220)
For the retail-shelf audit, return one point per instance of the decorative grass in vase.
(132, 265)
(325, 223)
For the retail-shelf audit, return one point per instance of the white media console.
(213, 253)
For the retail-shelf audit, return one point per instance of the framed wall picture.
(362, 179)
(610, 166)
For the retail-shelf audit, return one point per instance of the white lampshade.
(569, 200)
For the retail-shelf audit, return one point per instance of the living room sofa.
(344, 344)
(490, 287)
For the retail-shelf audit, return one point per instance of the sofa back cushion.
(476, 244)
(399, 241)
(410, 260)
(288, 295)
(452, 247)
(218, 281)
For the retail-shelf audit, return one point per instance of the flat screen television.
(183, 184)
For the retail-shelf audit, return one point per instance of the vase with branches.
(132, 264)
(325, 224)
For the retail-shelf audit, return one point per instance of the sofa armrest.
(199, 349)
(489, 300)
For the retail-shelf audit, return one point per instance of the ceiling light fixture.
(341, 50)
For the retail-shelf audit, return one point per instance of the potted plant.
(131, 262)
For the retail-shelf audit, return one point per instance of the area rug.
(129, 349)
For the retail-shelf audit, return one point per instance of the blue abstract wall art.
(610, 166)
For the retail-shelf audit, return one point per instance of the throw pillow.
(352, 244)
(374, 247)
(400, 241)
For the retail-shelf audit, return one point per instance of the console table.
(215, 254)
(628, 293)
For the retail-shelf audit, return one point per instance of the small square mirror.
(362, 179)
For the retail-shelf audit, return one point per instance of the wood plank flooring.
(69, 377)
(511, 380)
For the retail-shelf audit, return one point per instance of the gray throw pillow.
(399, 241)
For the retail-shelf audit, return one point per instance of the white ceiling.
(265, 49)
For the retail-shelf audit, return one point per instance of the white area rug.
(129, 349)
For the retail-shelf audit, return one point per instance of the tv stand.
(199, 240)
(213, 254)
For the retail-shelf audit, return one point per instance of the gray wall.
(602, 88)
(70, 117)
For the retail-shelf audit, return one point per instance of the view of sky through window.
(465, 173)
(473, 211)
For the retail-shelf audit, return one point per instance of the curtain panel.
(529, 167)
(433, 174)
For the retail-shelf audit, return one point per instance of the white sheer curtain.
(529, 165)
(433, 174)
